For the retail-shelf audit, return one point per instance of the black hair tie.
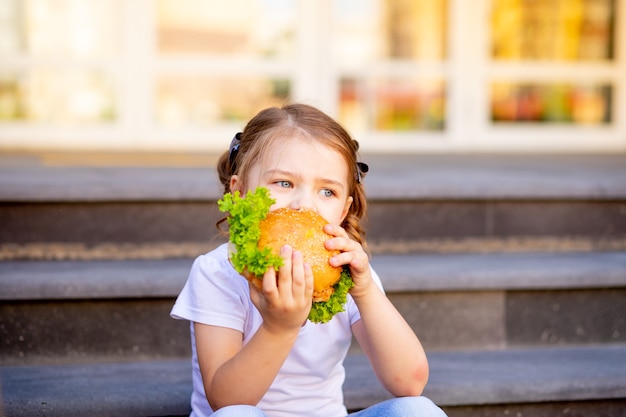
(361, 169)
(233, 150)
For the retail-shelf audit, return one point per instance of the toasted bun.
(303, 231)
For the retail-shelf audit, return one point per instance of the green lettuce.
(245, 214)
(322, 312)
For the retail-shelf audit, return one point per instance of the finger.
(302, 287)
(269, 288)
(308, 282)
(357, 260)
(297, 272)
(284, 272)
(333, 230)
(343, 244)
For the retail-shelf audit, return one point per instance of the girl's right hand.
(284, 300)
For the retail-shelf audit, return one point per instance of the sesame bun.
(303, 231)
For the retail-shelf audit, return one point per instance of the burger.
(302, 230)
(256, 236)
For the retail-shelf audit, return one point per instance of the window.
(58, 69)
(401, 75)
(222, 34)
(555, 32)
(391, 58)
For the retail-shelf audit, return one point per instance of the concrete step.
(85, 311)
(80, 251)
(577, 381)
(394, 226)
(417, 203)
(563, 380)
(41, 177)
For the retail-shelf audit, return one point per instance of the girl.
(252, 354)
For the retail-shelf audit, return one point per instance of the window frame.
(467, 73)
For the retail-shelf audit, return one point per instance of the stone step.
(417, 202)
(79, 251)
(393, 225)
(574, 380)
(84, 311)
(563, 380)
(36, 177)
(50, 280)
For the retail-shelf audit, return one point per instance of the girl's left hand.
(353, 255)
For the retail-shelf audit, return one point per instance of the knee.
(417, 406)
(239, 411)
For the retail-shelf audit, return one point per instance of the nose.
(302, 200)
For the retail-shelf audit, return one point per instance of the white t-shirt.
(310, 381)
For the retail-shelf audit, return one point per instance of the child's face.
(303, 174)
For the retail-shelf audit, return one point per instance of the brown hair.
(274, 124)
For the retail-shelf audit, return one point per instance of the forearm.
(395, 351)
(248, 374)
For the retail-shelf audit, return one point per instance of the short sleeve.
(214, 294)
(353, 311)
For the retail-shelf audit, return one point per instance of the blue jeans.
(402, 407)
(396, 407)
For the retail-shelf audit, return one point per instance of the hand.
(284, 299)
(353, 255)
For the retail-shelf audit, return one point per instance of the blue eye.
(283, 184)
(327, 193)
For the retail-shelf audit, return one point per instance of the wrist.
(280, 332)
(361, 294)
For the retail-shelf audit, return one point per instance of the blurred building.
(401, 75)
